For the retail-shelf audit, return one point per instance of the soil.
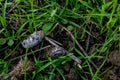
(114, 59)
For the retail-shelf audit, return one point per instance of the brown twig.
(53, 42)
(87, 43)
(80, 47)
(88, 40)
(29, 53)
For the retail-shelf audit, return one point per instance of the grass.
(20, 18)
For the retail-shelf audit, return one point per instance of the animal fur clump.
(34, 39)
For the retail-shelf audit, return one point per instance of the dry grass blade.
(88, 40)
(29, 53)
(53, 42)
(13, 7)
(2, 30)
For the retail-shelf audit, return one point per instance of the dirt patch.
(18, 71)
(114, 59)
(113, 74)
(69, 73)
(72, 75)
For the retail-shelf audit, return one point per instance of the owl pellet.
(34, 39)
(56, 51)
